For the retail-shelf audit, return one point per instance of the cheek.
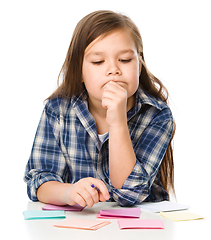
(133, 78)
(133, 73)
(90, 74)
(91, 80)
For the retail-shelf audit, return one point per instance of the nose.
(113, 70)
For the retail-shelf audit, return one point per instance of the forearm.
(80, 192)
(122, 158)
(53, 192)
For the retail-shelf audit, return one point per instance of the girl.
(105, 133)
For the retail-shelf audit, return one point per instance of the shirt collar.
(142, 98)
(82, 97)
(80, 105)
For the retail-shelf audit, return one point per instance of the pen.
(93, 186)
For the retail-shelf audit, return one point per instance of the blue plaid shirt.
(67, 148)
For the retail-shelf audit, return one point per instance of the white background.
(35, 36)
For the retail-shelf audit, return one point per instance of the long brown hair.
(102, 23)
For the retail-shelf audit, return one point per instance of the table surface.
(44, 229)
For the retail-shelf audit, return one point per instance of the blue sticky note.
(37, 214)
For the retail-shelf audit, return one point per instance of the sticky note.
(141, 224)
(85, 224)
(164, 206)
(181, 216)
(122, 212)
(74, 208)
(39, 214)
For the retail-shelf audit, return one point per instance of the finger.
(87, 197)
(108, 94)
(100, 196)
(112, 84)
(113, 89)
(94, 193)
(91, 195)
(102, 188)
(79, 200)
(113, 92)
(107, 99)
(82, 194)
(111, 101)
(106, 103)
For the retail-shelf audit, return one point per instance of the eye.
(125, 60)
(98, 62)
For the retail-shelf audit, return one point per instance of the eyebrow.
(120, 52)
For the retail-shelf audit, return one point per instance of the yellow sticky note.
(181, 216)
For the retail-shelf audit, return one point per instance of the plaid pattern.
(67, 148)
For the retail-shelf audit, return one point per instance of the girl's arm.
(133, 171)
(122, 158)
(53, 192)
(84, 192)
(46, 162)
(46, 169)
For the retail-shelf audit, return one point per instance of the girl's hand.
(114, 99)
(86, 192)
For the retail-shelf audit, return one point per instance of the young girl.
(105, 133)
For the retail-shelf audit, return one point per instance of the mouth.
(121, 83)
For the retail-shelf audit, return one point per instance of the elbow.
(131, 197)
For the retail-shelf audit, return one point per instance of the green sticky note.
(37, 214)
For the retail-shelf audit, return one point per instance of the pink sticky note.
(122, 212)
(74, 208)
(82, 224)
(141, 224)
(112, 217)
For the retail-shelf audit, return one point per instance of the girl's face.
(112, 58)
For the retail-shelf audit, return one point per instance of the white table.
(44, 229)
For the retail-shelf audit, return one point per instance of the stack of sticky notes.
(120, 213)
(129, 218)
(85, 224)
(164, 206)
(37, 214)
(141, 224)
(58, 212)
(74, 208)
(51, 211)
(171, 210)
(181, 216)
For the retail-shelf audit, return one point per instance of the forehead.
(120, 40)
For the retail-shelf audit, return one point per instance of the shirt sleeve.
(149, 150)
(47, 161)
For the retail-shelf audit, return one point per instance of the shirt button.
(106, 180)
